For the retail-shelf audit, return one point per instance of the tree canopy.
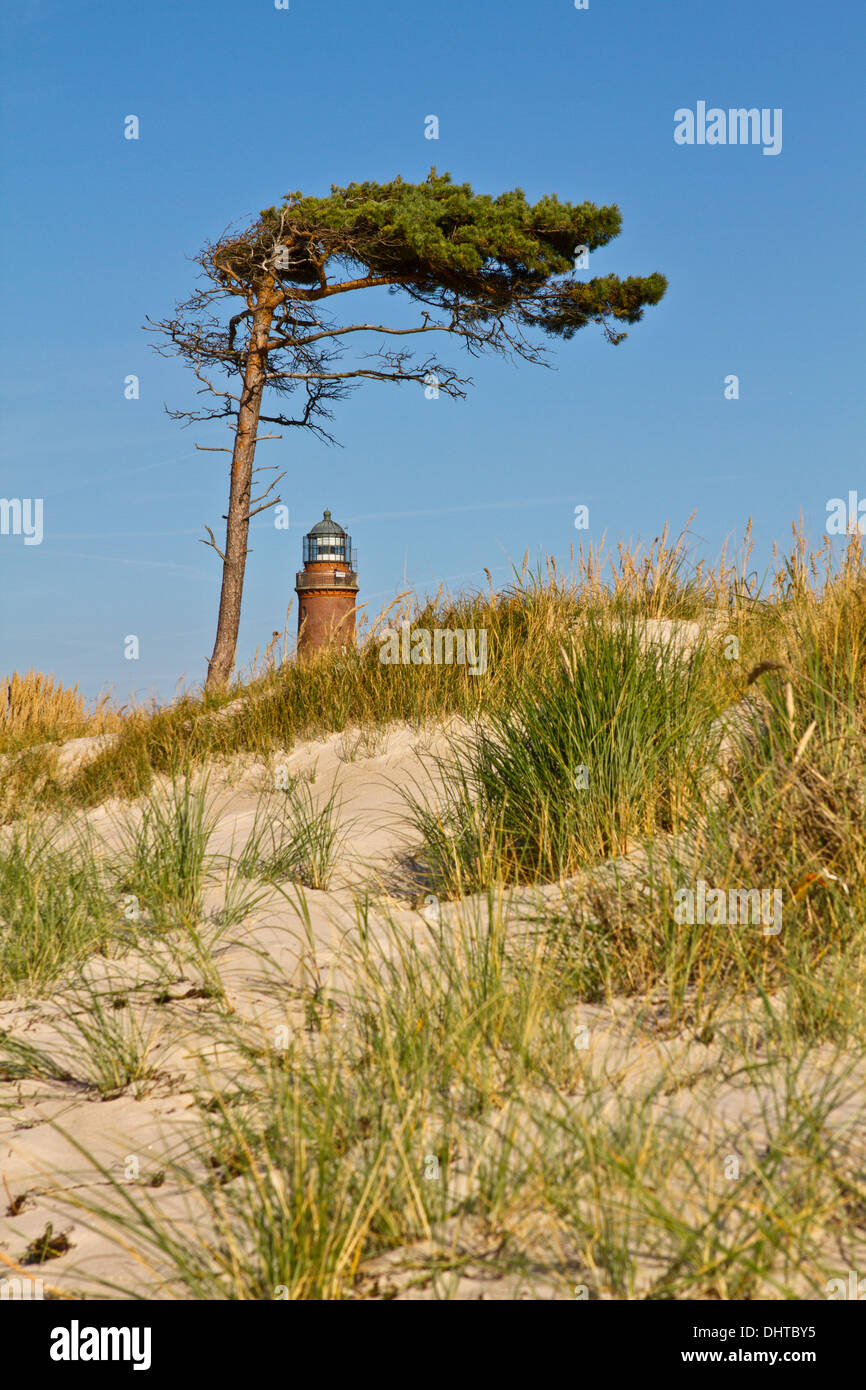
(440, 240)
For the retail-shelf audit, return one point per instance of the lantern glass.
(328, 542)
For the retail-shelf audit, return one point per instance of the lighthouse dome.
(327, 541)
(326, 527)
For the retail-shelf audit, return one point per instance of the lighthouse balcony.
(327, 577)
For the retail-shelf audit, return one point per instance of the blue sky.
(239, 103)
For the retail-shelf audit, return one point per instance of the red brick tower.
(327, 587)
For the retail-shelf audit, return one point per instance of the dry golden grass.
(35, 706)
(807, 607)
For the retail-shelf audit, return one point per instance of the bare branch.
(212, 543)
(273, 503)
(233, 323)
(269, 488)
(364, 283)
(357, 328)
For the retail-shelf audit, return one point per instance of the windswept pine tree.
(492, 272)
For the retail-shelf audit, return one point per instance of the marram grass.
(469, 1095)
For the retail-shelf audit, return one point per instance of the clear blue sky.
(239, 103)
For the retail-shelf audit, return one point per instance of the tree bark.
(222, 660)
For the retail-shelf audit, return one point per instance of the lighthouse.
(326, 587)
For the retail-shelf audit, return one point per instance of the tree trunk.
(238, 520)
